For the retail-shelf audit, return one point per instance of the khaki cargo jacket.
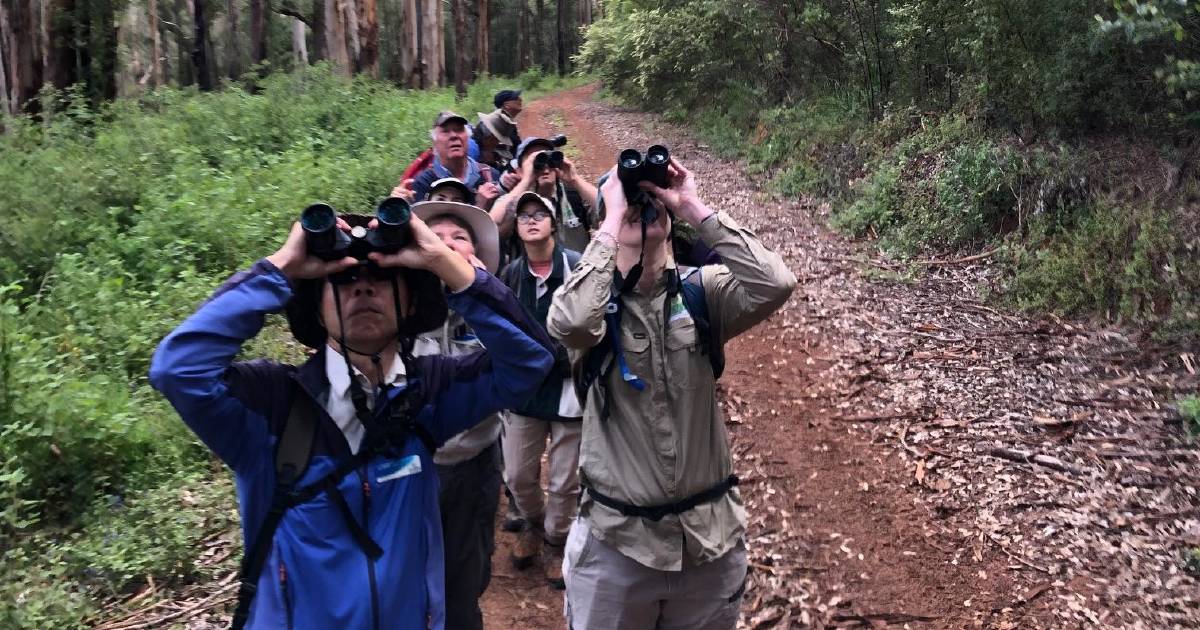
(667, 442)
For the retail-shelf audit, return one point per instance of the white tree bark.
(299, 44)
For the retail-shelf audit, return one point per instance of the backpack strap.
(708, 332)
(292, 455)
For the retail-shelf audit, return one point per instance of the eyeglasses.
(533, 218)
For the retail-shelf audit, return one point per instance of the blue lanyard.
(612, 315)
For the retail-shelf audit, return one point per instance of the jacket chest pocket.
(684, 355)
(635, 344)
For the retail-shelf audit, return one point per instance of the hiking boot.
(513, 521)
(529, 545)
(552, 561)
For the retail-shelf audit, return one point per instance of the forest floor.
(912, 455)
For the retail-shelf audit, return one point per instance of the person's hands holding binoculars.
(299, 259)
(296, 263)
(680, 195)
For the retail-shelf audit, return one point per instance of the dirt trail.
(884, 424)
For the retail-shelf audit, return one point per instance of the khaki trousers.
(524, 443)
(607, 590)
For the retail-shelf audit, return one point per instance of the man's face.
(533, 223)
(450, 140)
(368, 311)
(455, 237)
(513, 108)
(543, 177)
(447, 193)
(630, 234)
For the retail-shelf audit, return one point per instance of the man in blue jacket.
(354, 539)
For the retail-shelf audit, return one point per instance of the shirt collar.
(473, 173)
(339, 380)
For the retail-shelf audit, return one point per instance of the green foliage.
(1128, 263)
(944, 188)
(1167, 29)
(115, 223)
(1189, 410)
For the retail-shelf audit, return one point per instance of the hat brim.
(451, 119)
(487, 236)
(426, 297)
(528, 146)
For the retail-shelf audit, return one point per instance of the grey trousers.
(469, 496)
(524, 442)
(607, 590)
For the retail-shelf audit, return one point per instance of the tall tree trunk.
(320, 47)
(235, 38)
(561, 33)
(350, 15)
(440, 55)
(410, 48)
(299, 44)
(460, 50)
(156, 49)
(6, 46)
(536, 32)
(259, 15)
(523, 36)
(432, 59)
(368, 24)
(483, 57)
(200, 59)
(25, 64)
(335, 37)
(59, 56)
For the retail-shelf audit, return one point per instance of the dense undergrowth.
(1074, 159)
(115, 223)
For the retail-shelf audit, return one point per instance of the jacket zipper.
(283, 587)
(366, 491)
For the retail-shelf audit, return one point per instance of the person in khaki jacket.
(659, 538)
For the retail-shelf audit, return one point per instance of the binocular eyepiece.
(548, 159)
(633, 168)
(325, 241)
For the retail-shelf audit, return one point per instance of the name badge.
(678, 311)
(397, 468)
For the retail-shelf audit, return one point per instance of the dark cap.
(529, 144)
(446, 117)
(454, 182)
(504, 96)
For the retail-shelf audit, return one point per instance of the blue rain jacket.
(316, 576)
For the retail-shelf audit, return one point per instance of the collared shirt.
(340, 406)
(667, 442)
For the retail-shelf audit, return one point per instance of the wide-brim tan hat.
(499, 125)
(483, 228)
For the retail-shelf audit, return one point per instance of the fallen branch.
(1028, 457)
(873, 618)
(883, 417)
(212, 601)
(1017, 557)
(958, 261)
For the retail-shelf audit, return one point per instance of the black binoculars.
(547, 159)
(325, 241)
(633, 167)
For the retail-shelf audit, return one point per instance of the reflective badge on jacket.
(397, 468)
(678, 311)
